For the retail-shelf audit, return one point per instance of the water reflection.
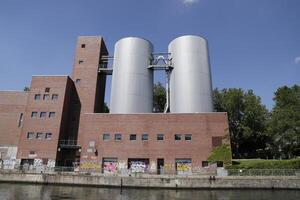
(28, 191)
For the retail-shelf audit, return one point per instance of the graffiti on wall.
(110, 167)
(138, 166)
(90, 166)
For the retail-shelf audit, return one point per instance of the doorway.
(160, 165)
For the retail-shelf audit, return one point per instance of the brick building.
(60, 122)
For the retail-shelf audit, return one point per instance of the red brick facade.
(62, 124)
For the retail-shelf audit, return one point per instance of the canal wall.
(163, 181)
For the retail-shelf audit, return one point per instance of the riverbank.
(156, 181)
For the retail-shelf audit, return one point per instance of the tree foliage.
(247, 119)
(159, 97)
(285, 122)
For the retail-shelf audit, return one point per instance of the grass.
(265, 164)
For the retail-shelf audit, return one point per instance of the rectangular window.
(105, 136)
(51, 114)
(82, 45)
(204, 163)
(145, 137)
(31, 152)
(48, 136)
(118, 137)
(160, 136)
(20, 120)
(39, 135)
(37, 97)
(34, 115)
(47, 89)
(132, 137)
(188, 137)
(177, 136)
(46, 97)
(30, 135)
(80, 61)
(42, 114)
(78, 80)
(216, 141)
(54, 97)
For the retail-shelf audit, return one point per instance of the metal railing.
(68, 143)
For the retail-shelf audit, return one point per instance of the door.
(160, 165)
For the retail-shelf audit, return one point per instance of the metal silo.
(190, 80)
(132, 81)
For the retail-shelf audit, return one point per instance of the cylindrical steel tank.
(190, 80)
(132, 81)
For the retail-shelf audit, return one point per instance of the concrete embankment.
(152, 181)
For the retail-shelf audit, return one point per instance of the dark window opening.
(188, 136)
(145, 137)
(51, 114)
(37, 97)
(54, 96)
(160, 136)
(82, 45)
(177, 136)
(105, 136)
(132, 137)
(80, 61)
(30, 135)
(34, 114)
(46, 97)
(48, 136)
(118, 137)
(47, 89)
(78, 80)
(42, 114)
(39, 135)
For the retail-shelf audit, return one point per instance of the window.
(78, 80)
(177, 136)
(145, 137)
(205, 163)
(118, 137)
(48, 136)
(82, 45)
(160, 137)
(216, 141)
(20, 120)
(34, 115)
(51, 114)
(39, 135)
(132, 137)
(46, 97)
(54, 97)
(188, 136)
(31, 152)
(47, 89)
(30, 135)
(106, 136)
(42, 114)
(80, 61)
(37, 97)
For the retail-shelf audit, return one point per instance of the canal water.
(10, 191)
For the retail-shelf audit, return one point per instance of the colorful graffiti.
(88, 165)
(109, 167)
(138, 167)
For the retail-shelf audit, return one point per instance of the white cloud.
(186, 2)
(297, 60)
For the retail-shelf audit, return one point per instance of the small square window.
(48, 136)
(160, 136)
(78, 80)
(80, 61)
(82, 45)
(145, 137)
(34, 115)
(132, 137)
(205, 163)
(188, 136)
(46, 97)
(37, 97)
(31, 152)
(118, 137)
(30, 135)
(177, 136)
(39, 135)
(42, 114)
(47, 89)
(51, 114)
(54, 97)
(105, 136)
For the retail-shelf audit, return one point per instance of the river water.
(29, 191)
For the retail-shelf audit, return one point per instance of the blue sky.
(254, 44)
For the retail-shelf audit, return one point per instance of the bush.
(221, 153)
(265, 164)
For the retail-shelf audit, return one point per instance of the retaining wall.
(291, 182)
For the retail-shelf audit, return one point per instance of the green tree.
(285, 122)
(106, 108)
(247, 119)
(26, 89)
(159, 97)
